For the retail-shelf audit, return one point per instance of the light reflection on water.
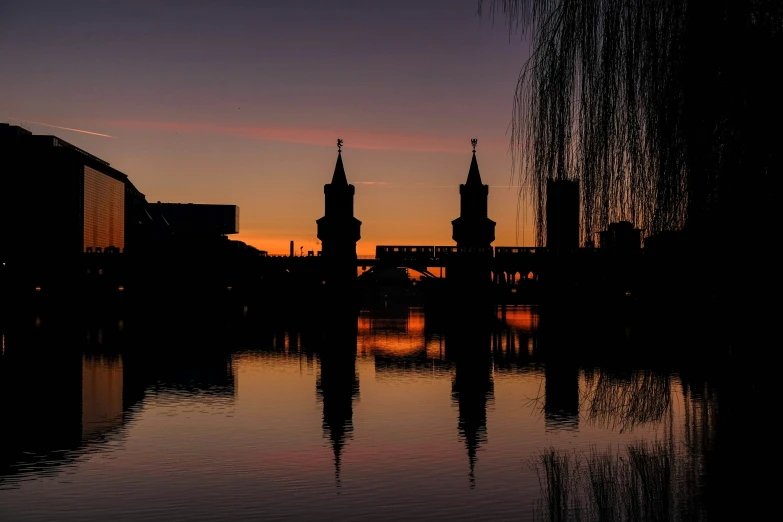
(394, 414)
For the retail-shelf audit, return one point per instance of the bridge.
(473, 260)
(508, 264)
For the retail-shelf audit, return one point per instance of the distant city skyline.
(235, 104)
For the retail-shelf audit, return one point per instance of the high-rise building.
(338, 229)
(562, 215)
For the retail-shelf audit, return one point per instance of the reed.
(626, 401)
(643, 482)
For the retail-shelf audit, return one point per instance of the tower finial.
(339, 144)
(473, 142)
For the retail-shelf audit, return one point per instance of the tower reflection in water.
(468, 346)
(338, 383)
(668, 433)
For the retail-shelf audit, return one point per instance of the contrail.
(68, 128)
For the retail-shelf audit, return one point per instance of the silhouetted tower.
(338, 229)
(470, 272)
(473, 228)
(562, 215)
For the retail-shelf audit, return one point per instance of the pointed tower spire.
(473, 228)
(339, 172)
(474, 178)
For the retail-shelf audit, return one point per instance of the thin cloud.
(68, 129)
(355, 139)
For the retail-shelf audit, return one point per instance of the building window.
(104, 211)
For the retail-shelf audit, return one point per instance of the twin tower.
(339, 230)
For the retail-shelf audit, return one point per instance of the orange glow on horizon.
(281, 246)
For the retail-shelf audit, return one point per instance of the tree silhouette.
(666, 111)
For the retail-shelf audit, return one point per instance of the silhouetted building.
(143, 227)
(621, 237)
(338, 229)
(562, 215)
(473, 228)
(56, 199)
(200, 220)
(12, 131)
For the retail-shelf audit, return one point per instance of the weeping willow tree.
(667, 112)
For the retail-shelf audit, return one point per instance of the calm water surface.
(392, 415)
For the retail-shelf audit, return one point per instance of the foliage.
(666, 111)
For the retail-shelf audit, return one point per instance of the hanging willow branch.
(661, 109)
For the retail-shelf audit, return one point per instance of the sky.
(242, 102)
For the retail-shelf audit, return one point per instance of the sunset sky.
(241, 102)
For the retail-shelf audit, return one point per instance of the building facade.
(57, 200)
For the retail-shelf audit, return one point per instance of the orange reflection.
(522, 318)
(101, 395)
(392, 335)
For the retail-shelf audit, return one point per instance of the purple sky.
(241, 102)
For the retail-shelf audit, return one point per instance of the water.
(392, 415)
